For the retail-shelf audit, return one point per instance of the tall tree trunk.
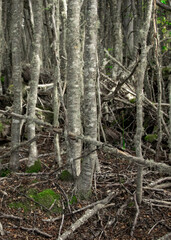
(17, 12)
(57, 77)
(140, 95)
(117, 35)
(1, 39)
(90, 108)
(35, 71)
(73, 84)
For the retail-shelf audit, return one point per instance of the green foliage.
(132, 100)
(2, 79)
(151, 138)
(4, 172)
(1, 127)
(65, 176)
(163, 1)
(34, 168)
(73, 200)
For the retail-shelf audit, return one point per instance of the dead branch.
(88, 214)
(153, 184)
(136, 216)
(18, 146)
(10, 216)
(34, 230)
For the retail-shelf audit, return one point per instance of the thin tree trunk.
(117, 35)
(90, 106)
(170, 117)
(17, 12)
(35, 71)
(57, 76)
(140, 96)
(159, 81)
(1, 39)
(73, 84)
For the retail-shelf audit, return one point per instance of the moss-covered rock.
(66, 176)
(34, 168)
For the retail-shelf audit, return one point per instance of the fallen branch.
(76, 211)
(34, 230)
(10, 216)
(160, 167)
(88, 214)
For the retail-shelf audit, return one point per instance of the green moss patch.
(34, 168)
(20, 206)
(1, 127)
(4, 172)
(151, 138)
(47, 198)
(66, 176)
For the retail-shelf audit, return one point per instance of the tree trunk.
(35, 71)
(17, 12)
(140, 96)
(73, 84)
(90, 106)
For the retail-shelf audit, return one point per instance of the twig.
(136, 216)
(159, 181)
(62, 221)
(18, 146)
(34, 230)
(151, 229)
(10, 216)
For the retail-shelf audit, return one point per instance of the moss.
(19, 205)
(132, 100)
(66, 176)
(73, 200)
(1, 127)
(151, 138)
(34, 168)
(46, 198)
(4, 172)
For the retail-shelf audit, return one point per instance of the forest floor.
(23, 216)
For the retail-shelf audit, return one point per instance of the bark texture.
(35, 71)
(90, 106)
(73, 83)
(17, 10)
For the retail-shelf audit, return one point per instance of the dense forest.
(85, 119)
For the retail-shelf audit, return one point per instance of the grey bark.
(1, 39)
(17, 12)
(140, 95)
(128, 24)
(73, 83)
(57, 76)
(117, 35)
(35, 71)
(90, 108)
(170, 117)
